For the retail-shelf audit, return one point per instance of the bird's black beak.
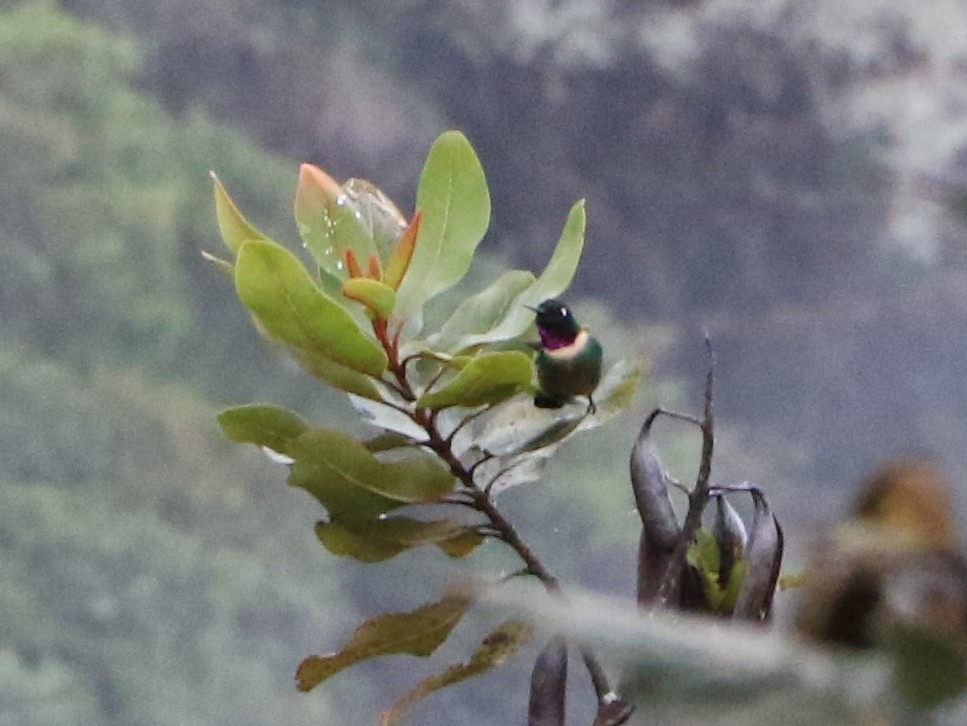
(533, 310)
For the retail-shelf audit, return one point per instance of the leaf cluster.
(452, 406)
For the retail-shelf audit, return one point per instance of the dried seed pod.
(549, 685)
(660, 527)
(764, 558)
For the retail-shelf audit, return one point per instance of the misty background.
(789, 174)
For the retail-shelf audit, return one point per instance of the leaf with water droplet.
(329, 221)
(378, 214)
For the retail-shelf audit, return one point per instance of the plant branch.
(611, 710)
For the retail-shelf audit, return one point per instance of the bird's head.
(556, 324)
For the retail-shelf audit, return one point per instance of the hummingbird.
(569, 358)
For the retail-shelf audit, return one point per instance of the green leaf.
(481, 313)
(387, 441)
(455, 204)
(552, 282)
(418, 633)
(705, 556)
(329, 221)
(496, 649)
(488, 378)
(337, 376)
(274, 285)
(234, 228)
(268, 426)
(730, 594)
(377, 297)
(380, 539)
(355, 486)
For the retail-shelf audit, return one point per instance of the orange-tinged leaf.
(419, 633)
(375, 272)
(495, 650)
(399, 261)
(234, 228)
(328, 221)
(352, 264)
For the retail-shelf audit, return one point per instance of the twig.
(698, 497)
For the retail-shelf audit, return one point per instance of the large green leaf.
(552, 282)
(419, 633)
(268, 426)
(496, 649)
(353, 485)
(329, 221)
(455, 203)
(481, 313)
(275, 286)
(234, 228)
(487, 379)
(381, 539)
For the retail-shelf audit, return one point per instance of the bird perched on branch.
(569, 361)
